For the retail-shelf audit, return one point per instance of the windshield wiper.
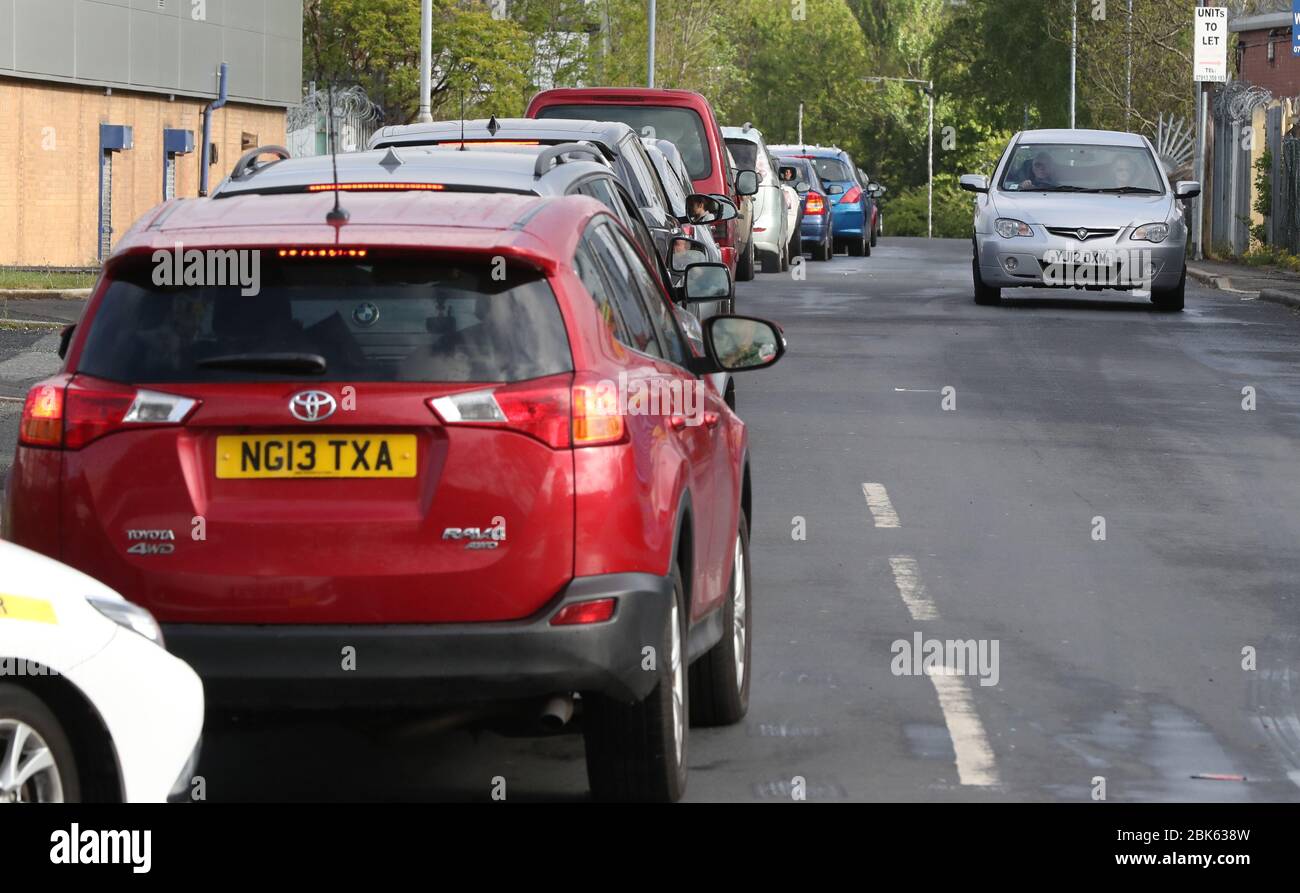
(289, 363)
(1060, 189)
(1132, 190)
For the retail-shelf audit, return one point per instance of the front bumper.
(435, 665)
(1027, 261)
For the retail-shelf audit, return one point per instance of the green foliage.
(905, 214)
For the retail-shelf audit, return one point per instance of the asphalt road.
(1119, 660)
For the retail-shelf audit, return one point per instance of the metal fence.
(1286, 194)
(355, 119)
(1231, 175)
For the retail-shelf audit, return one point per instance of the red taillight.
(595, 611)
(72, 415)
(852, 195)
(816, 204)
(556, 410)
(538, 408)
(42, 421)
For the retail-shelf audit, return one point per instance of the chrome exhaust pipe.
(557, 713)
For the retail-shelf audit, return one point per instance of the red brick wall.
(1282, 78)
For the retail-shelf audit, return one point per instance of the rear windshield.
(832, 169)
(680, 126)
(390, 318)
(745, 153)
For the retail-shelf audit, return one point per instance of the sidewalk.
(1275, 286)
(40, 312)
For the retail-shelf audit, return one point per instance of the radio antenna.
(339, 215)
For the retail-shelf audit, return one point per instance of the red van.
(686, 119)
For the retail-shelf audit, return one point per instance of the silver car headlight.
(1151, 232)
(133, 617)
(1009, 228)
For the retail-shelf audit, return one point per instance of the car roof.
(607, 134)
(621, 96)
(541, 229)
(508, 169)
(1082, 137)
(818, 151)
(751, 133)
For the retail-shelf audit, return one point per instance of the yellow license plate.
(16, 607)
(316, 456)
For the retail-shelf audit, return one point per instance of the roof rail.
(247, 164)
(555, 155)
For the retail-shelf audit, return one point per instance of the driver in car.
(1041, 173)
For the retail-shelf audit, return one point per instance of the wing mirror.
(746, 182)
(706, 282)
(684, 252)
(740, 343)
(708, 209)
(833, 189)
(1187, 189)
(974, 183)
(65, 338)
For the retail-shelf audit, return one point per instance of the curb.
(1222, 283)
(1275, 296)
(11, 324)
(45, 294)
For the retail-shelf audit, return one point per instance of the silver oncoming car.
(1080, 209)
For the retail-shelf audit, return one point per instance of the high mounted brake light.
(376, 187)
(322, 252)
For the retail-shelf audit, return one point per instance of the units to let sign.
(1210, 56)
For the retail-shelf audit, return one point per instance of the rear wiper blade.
(308, 363)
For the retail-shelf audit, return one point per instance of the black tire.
(631, 748)
(822, 250)
(984, 294)
(875, 236)
(17, 703)
(866, 246)
(857, 247)
(1171, 300)
(718, 698)
(770, 263)
(795, 248)
(745, 264)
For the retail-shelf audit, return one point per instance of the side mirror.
(683, 252)
(707, 282)
(877, 190)
(974, 183)
(833, 189)
(741, 343)
(802, 186)
(65, 338)
(708, 209)
(747, 182)
(1187, 189)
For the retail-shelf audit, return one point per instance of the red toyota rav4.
(686, 119)
(448, 452)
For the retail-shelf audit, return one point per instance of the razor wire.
(355, 117)
(1237, 101)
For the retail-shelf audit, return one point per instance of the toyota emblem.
(312, 406)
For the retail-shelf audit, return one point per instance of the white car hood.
(1074, 209)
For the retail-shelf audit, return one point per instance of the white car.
(92, 708)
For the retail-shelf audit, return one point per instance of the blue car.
(815, 215)
(852, 207)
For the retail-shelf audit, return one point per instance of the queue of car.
(485, 448)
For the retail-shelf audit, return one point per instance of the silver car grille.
(1082, 233)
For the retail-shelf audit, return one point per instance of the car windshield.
(680, 126)
(391, 318)
(1060, 167)
(832, 169)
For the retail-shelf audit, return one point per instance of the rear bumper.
(848, 221)
(435, 665)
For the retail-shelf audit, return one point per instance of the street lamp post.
(1074, 52)
(928, 90)
(650, 62)
(426, 60)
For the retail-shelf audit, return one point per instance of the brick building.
(1264, 55)
(101, 110)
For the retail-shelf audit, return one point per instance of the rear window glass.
(394, 318)
(680, 126)
(745, 153)
(832, 169)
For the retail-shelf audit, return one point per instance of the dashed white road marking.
(975, 763)
(882, 510)
(908, 578)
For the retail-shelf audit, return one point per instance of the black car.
(618, 143)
